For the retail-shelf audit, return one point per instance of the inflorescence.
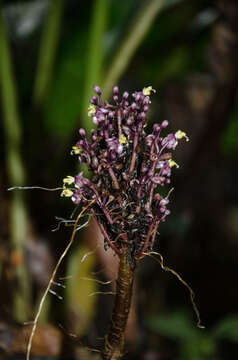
(129, 168)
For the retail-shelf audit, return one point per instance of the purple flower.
(129, 167)
(114, 145)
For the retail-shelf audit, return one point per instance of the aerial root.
(91, 252)
(33, 188)
(35, 322)
(160, 260)
(98, 281)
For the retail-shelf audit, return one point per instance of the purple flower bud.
(97, 90)
(116, 90)
(158, 180)
(146, 101)
(145, 108)
(82, 132)
(142, 116)
(164, 202)
(156, 128)
(94, 100)
(95, 120)
(144, 168)
(129, 121)
(133, 106)
(94, 137)
(95, 161)
(115, 98)
(104, 111)
(125, 112)
(165, 123)
(125, 95)
(101, 118)
(110, 115)
(76, 198)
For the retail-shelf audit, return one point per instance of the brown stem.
(101, 227)
(114, 179)
(133, 158)
(114, 341)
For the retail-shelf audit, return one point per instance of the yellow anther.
(91, 110)
(67, 193)
(173, 163)
(180, 134)
(75, 150)
(68, 180)
(122, 139)
(147, 90)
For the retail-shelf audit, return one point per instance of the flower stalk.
(114, 342)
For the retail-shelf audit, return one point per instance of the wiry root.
(160, 260)
(35, 322)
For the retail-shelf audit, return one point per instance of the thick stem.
(114, 342)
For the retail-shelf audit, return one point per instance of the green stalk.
(136, 33)
(48, 47)
(16, 175)
(95, 54)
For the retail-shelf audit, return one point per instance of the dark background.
(51, 55)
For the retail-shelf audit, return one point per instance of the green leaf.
(65, 96)
(201, 348)
(175, 326)
(227, 329)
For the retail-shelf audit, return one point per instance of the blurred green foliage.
(193, 343)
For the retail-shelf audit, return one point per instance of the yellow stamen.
(66, 193)
(68, 180)
(180, 134)
(91, 110)
(147, 90)
(122, 139)
(173, 163)
(75, 150)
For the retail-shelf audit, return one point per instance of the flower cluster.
(128, 167)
